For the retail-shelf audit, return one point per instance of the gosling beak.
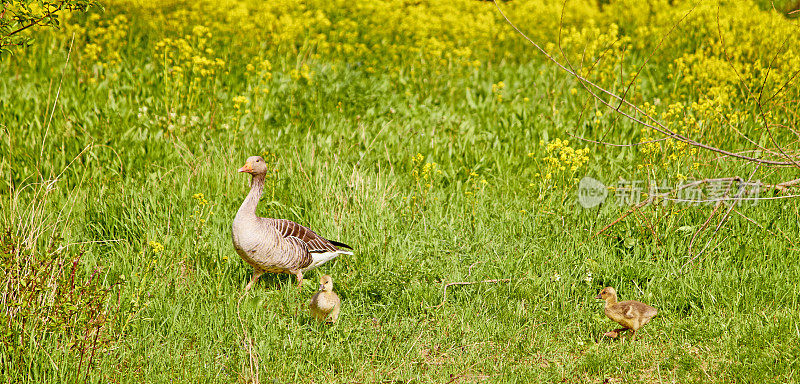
(248, 167)
(598, 297)
(321, 287)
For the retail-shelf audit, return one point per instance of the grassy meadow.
(437, 142)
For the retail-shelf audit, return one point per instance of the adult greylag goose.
(276, 245)
(630, 314)
(325, 304)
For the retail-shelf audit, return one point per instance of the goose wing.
(633, 309)
(313, 242)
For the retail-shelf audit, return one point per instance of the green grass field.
(119, 187)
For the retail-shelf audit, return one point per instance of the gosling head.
(607, 293)
(255, 165)
(326, 283)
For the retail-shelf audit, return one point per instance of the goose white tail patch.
(318, 259)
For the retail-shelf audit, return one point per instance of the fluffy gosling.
(630, 314)
(324, 305)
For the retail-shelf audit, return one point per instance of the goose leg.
(299, 275)
(256, 275)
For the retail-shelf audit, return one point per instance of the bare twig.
(727, 214)
(474, 264)
(615, 145)
(624, 215)
(702, 227)
(58, 92)
(253, 355)
(762, 227)
(490, 281)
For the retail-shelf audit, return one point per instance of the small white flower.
(556, 277)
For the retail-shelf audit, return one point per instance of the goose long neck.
(611, 300)
(251, 201)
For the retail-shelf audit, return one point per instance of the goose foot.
(613, 334)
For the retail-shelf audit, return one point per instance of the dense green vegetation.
(434, 140)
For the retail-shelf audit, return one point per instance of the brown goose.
(276, 245)
(630, 314)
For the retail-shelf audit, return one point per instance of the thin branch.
(49, 13)
(624, 215)
(702, 227)
(55, 102)
(762, 227)
(615, 145)
(491, 281)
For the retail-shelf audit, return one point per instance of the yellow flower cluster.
(561, 159)
(202, 212)
(597, 53)
(725, 52)
(422, 171)
(200, 198)
(425, 176)
(189, 60)
(100, 43)
(262, 70)
(455, 33)
(565, 157)
(304, 73)
(155, 246)
(238, 101)
(497, 91)
(475, 184)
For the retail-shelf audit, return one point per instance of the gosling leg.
(333, 316)
(613, 334)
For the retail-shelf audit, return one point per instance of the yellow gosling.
(630, 314)
(324, 305)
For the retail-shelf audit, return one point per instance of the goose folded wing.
(314, 242)
(630, 310)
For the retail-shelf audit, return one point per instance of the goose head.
(255, 165)
(326, 283)
(606, 293)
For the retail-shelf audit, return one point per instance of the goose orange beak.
(247, 167)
